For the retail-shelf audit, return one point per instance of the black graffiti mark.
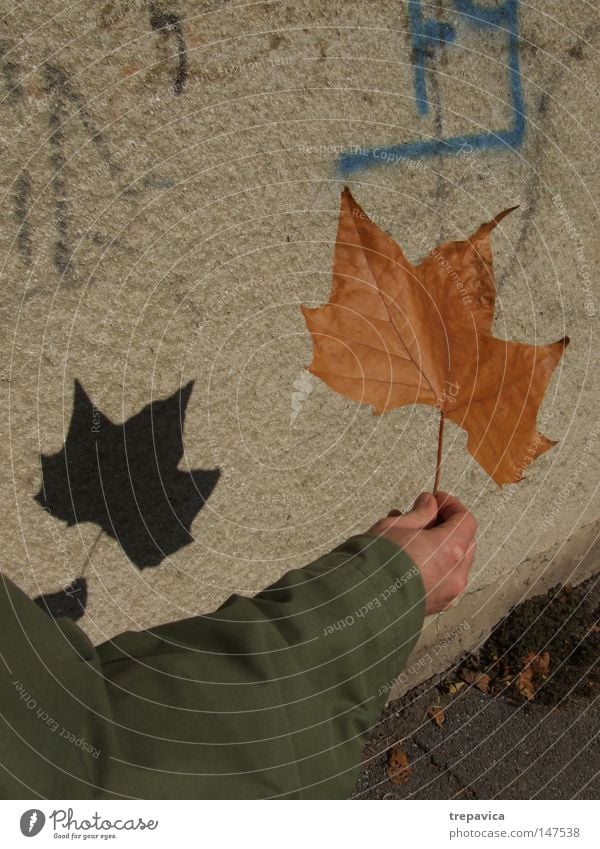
(10, 72)
(61, 97)
(59, 84)
(441, 185)
(166, 23)
(22, 205)
(61, 94)
(62, 247)
(22, 190)
(69, 603)
(533, 188)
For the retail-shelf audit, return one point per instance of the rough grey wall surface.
(170, 189)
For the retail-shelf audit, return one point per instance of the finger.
(425, 510)
(448, 505)
(422, 515)
(452, 514)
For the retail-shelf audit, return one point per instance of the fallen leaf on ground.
(525, 684)
(539, 663)
(436, 713)
(535, 668)
(393, 334)
(455, 687)
(478, 679)
(398, 766)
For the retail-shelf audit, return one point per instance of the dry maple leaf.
(436, 714)
(525, 684)
(540, 662)
(398, 766)
(393, 334)
(535, 667)
(478, 679)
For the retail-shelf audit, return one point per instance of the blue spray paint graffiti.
(426, 36)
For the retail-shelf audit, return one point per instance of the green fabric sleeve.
(270, 696)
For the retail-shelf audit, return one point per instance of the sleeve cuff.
(398, 592)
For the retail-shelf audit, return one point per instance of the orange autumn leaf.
(398, 766)
(478, 679)
(393, 334)
(535, 668)
(540, 663)
(436, 714)
(525, 684)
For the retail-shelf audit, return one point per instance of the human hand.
(438, 534)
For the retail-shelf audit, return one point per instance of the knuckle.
(456, 550)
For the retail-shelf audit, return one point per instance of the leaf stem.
(438, 468)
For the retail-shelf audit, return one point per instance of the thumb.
(425, 510)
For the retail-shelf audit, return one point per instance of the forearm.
(290, 681)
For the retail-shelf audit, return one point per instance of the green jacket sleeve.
(270, 696)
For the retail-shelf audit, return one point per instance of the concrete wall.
(170, 179)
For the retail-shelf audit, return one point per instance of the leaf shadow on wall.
(124, 477)
(68, 603)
